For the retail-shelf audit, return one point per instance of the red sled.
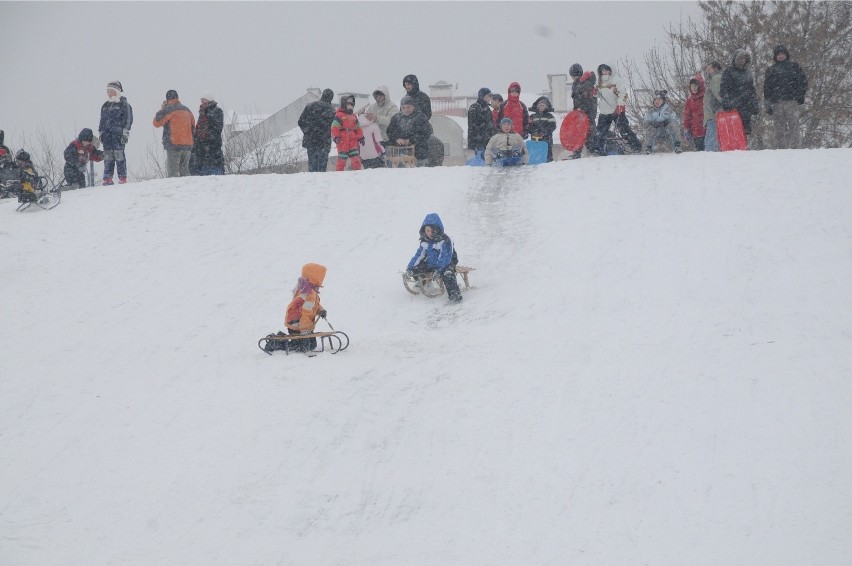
(574, 130)
(730, 131)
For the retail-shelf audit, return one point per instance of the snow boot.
(122, 180)
(107, 181)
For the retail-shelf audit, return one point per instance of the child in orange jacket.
(303, 311)
(347, 134)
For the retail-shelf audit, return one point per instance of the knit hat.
(406, 101)
(86, 135)
(172, 95)
(483, 92)
(115, 85)
(327, 95)
(576, 70)
(208, 96)
(504, 121)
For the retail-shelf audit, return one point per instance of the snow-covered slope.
(654, 368)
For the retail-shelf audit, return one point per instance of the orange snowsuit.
(303, 309)
(348, 135)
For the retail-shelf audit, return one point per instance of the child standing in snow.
(543, 124)
(303, 311)
(436, 254)
(347, 134)
(506, 148)
(372, 151)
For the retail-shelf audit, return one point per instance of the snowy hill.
(654, 368)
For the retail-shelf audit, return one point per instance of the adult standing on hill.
(178, 125)
(421, 100)
(784, 88)
(712, 105)
(207, 140)
(410, 127)
(737, 89)
(114, 132)
(584, 94)
(315, 123)
(480, 122)
(612, 101)
(381, 110)
(516, 110)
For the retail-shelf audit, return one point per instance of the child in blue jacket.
(436, 254)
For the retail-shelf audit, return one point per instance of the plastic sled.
(731, 132)
(476, 161)
(574, 130)
(537, 151)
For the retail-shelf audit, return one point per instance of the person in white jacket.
(612, 101)
(372, 152)
(381, 111)
(506, 148)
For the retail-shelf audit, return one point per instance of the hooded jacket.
(421, 100)
(345, 128)
(693, 110)
(178, 125)
(384, 112)
(436, 253)
(415, 128)
(480, 124)
(315, 122)
(504, 145)
(513, 108)
(115, 118)
(611, 91)
(77, 155)
(305, 306)
(542, 124)
(737, 89)
(585, 95)
(372, 147)
(784, 80)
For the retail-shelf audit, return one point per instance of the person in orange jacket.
(303, 311)
(178, 123)
(347, 134)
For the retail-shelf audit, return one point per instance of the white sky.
(259, 56)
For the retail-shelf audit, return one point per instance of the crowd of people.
(497, 128)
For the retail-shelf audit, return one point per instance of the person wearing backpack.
(114, 132)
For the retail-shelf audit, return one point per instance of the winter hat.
(505, 121)
(780, 49)
(172, 95)
(347, 99)
(662, 94)
(115, 85)
(208, 96)
(327, 95)
(576, 70)
(694, 81)
(86, 135)
(412, 80)
(406, 100)
(483, 92)
(314, 273)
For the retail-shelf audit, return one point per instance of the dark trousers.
(318, 159)
(304, 345)
(699, 143)
(623, 127)
(448, 277)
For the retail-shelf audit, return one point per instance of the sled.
(730, 131)
(335, 341)
(44, 198)
(430, 284)
(476, 161)
(400, 156)
(574, 130)
(537, 150)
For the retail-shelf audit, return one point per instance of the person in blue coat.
(436, 254)
(114, 131)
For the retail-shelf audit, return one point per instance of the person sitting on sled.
(77, 155)
(506, 148)
(29, 177)
(303, 311)
(436, 254)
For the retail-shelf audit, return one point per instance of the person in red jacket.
(347, 134)
(693, 113)
(77, 155)
(516, 110)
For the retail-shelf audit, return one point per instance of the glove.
(125, 135)
(362, 141)
(96, 141)
(336, 140)
(322, 313)
(619, 109)
(768, 107)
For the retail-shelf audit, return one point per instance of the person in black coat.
(784, 87)
(207, 155)
(77, 155)
(584, 95)
(315, 123)
(410, 127)
(480, 122)
(421, 100)
(542, 123)
(114, 131)
(737, 90)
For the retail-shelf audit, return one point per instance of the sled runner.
(401, 156)
(574, 130)
(42, 197)
(537, 150)
(430, 284)
(731, 134)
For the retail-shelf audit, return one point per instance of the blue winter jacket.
(115, 118)
(437, 253)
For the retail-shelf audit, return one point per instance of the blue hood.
(432, 219)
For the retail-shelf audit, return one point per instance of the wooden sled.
(400, 156)
(335, 341)
(431, 286)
